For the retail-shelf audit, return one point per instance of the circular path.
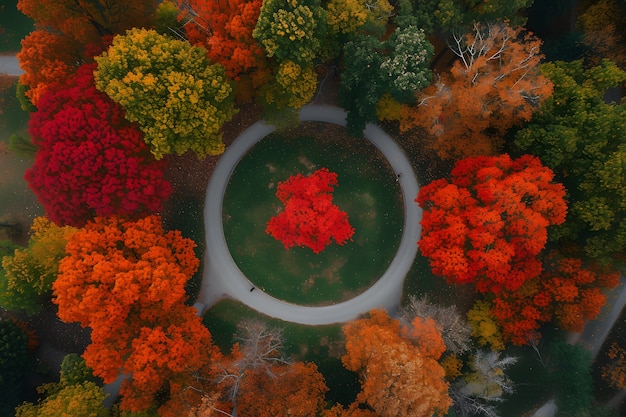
(223, 279)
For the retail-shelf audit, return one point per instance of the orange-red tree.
(398, 367)
(568, 294)
(488, 224)
(125, 280)
(494, 85)
(46, 58)
(224, 28)
(310, 218)
(68, 32)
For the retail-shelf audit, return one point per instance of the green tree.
(76, 400)
(569, 375)
(398, 66)
(291, 33)
(445, 15)
(29, 272)
(291, 30)
(177, 96)
(583, 140)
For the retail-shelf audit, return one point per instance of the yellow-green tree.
(484, 326)
(177, 96)
(29, 272)
(81, 400)
(77, 393)
(291, 33)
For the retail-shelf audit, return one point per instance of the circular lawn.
(367, 191)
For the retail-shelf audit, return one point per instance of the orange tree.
(488, 224)
(125, 280)
(494, 85)
(67, 32)
(225, 28)
(310, 218)
(397, 365)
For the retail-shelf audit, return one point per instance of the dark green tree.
(569, 376)
(15, 364)
(583, 140)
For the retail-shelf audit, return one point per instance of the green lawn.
(367, 191)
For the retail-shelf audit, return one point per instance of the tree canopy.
(582, 139)
(179, 99)
(494, 84)
(487, 225)
(309, 218)
(126, 281)
(29, 272)
(398, 367)
(90, 160)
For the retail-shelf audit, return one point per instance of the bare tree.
(476, 392)
(454, 330)
(260, 349)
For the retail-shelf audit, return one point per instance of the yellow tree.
(398, 367)
(169, 87)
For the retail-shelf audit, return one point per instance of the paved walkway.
(9, 65)
(222, 277)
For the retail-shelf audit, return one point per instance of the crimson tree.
(310, 218)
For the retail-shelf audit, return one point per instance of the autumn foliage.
(494, 85)
(179, 98)
(225, 28)
(397, 365)
(90, 160)
(310, 218)
(488, 224)
(568, 294)
(126, 281)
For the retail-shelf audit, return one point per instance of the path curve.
(223, 279)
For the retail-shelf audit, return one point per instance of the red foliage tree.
(488, 224)
(91, 161)
(126, 281)
(224, 28)
(310, 218)
(568, 294)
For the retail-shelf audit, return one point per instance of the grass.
(15, 26)
(367, 191)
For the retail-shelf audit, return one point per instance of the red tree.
(568, 294)
(489, 223)
(310, 218)
(91, 161)
(126, 281)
